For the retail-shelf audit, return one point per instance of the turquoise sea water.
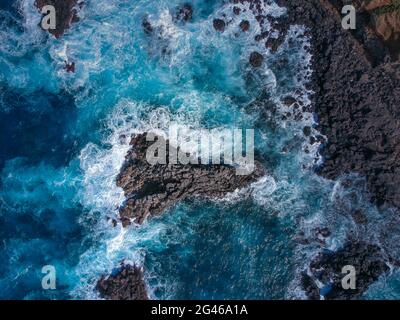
(61, 151)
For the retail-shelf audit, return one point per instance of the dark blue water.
(60, 152)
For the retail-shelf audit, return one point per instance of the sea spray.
(126, 82)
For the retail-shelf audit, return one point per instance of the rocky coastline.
(356, 82)
(356, 85)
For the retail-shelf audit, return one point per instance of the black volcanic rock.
(66, 13)
(307, 131)
(289, 101)
(236, 10)
(326, 267)
(244, 25)
(273, 44)
(357, 97)
(69, 67)
(256, 59)
(185, 13)
(151, 189)
(219, 25)
(147, 27)
(356, 82)
(126, 283)
(309, 287)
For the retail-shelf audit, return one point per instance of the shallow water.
(61, 151)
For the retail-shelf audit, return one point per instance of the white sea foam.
(181, 101)
(143, 84)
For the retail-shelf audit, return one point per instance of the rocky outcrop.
(357, 94)
(66, 13)
(185, 13)
(125, 283)
(356, 81)
(256, 59)
(244, 25)
(219, 25)
(69, 67)
(151, 189)
(326, 270)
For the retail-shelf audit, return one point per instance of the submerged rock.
(289, 101)
(125, 283)
(256, 59)
(309, 287)
(69, 67)
(359, 216)
(147, 27)
(185, 13)
(66, 13)
(244, 25)
(236, 10)
(307, 131)
(151, 189)
(273, 44)
(219, 25)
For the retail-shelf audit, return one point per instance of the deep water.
(61, 149)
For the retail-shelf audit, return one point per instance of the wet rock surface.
(256, 59)
(244, 25)
(185, 13)
(151, 189)
(125, 283)
(357, 94)
(219, 25)
(356, 81)
(66, 13)
(69, 67)
(326, 269)
(147, 27)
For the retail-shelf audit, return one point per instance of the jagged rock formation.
(66, 13)
(151, 189)
(326, 268)
(356, 82)
(125, 283)
(357, 94)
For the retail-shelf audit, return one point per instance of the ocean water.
(61, 149)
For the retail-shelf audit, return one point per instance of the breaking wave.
(127, 82)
